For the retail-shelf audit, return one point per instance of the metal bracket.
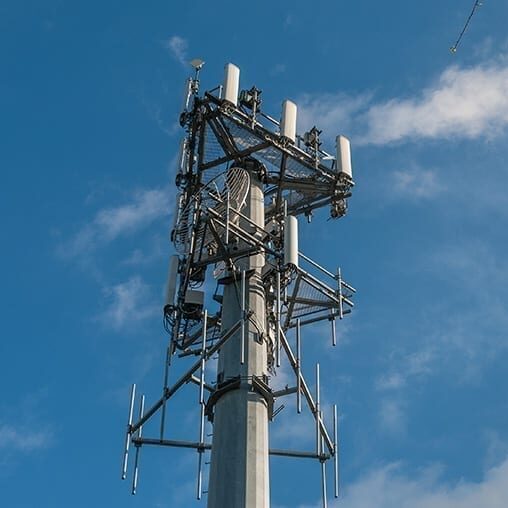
(259, 386)
(256, 384)
(226, 386)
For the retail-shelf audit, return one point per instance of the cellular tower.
(240, 293)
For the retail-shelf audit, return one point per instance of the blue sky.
(89, 99)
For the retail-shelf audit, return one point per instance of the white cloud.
(496, 448)
(462, 103)
(391, 381)
(177, 46)
(127, 304)
(419, 362)
(416, 183)
(140, 257)
(444, 340)
(289, 428)
(477, 274)
(416, 364)
(390, 487)
(23, 439)
(392, 416)
(332, 113)
(284, 375)
(279, 68)
(163, 121)
(147, 206)
(110, 223)
(471, 263)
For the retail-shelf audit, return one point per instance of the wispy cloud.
(416, 183)
(113, 222)
(409, 365)
(444, 340)
(392, 381)
(156, 250)
(177, 46)
(471, 263)
(462, 103)
(23, 439)
(476, 274)
(390, 486)
(392, 416)
(25, 430)
(288, 20)
(289, 428)
(496, 448)
(164, 120)
(292, 429)
(147, 206)
(279, 68)
(128, 304)
(333, 113)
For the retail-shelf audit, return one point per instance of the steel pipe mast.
(244, 178)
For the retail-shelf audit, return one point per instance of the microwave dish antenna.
(223, 195)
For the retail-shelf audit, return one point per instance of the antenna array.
(243, 179)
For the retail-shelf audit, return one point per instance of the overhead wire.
(477, 4)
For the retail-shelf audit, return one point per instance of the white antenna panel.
(344, 156)
(178, 210)
(231, 83)
(182, 156)
(171, 282)
(288, 120)
(187, 94)
(291, 240)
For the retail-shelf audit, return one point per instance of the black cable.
(477, 4)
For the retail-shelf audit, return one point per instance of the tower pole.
(239, 463)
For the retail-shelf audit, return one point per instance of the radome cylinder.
(231, 83)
